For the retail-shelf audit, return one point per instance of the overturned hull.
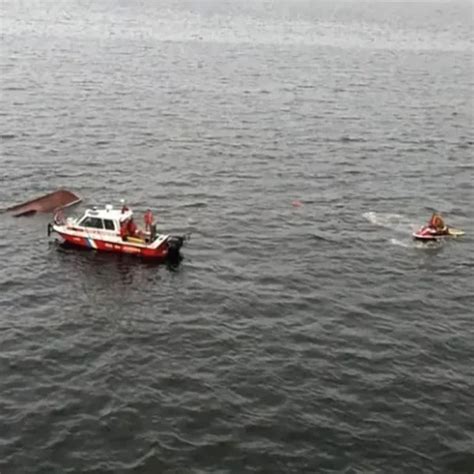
(48, 203)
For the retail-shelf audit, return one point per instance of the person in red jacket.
(125, 208)
(148, 218)
(124, 230)
(132, 228)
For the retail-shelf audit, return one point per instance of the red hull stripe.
(101, 245)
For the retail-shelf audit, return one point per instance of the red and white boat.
(102, 230)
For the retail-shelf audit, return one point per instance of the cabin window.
(94, 222)
(108, 224)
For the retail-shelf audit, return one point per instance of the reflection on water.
(108, 266)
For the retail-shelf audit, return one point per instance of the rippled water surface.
(290, 339)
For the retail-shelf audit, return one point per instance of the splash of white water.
(395, 222)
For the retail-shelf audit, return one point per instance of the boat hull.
(163, 252)
(426, 234)
(60, 199)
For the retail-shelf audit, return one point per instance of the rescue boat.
(101, 229)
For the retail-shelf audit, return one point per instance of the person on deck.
(148, 218)
(124, 230)
(124, 206)
(436, 222)
(132, 228)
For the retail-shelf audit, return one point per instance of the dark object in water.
(48, 203)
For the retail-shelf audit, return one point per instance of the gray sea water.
(308, 339)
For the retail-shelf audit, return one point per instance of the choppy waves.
(327, 24)
(304, 331)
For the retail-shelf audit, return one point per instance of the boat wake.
(414, 244)
(395, 222)
(400, 243)
(402, 227)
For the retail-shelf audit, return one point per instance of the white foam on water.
(395, 222)
(400, 243)
(416, 244)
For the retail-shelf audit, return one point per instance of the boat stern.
(175, 242)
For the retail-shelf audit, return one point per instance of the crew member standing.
(132, 228)
(124, 230)
(124, 206)
(148, 220)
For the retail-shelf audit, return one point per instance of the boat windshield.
(89, 221)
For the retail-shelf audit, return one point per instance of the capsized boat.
(429, 233)
(59, 199)
(102, 229)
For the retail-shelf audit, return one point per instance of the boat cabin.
(104, 219)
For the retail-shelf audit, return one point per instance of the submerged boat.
(429, 233)
(103, 229)
(49, 202)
